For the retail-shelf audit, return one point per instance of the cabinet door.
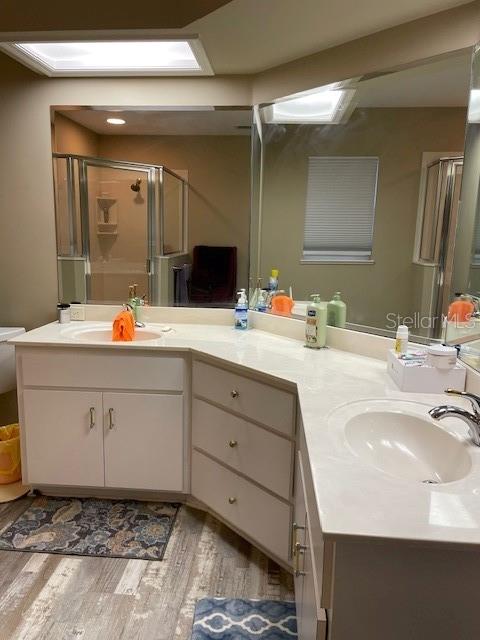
(64, 437)
(298, 543)
(143, 441)
(311, 618)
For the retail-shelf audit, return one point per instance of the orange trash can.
(10, 463)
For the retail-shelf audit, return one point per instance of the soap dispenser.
(336, 312)
(241, 311)
(316, 323)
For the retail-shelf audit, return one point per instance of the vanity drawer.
(86, 368)
(261, 402)
(255, 452)
(258, 514)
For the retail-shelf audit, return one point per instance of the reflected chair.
(214, 275)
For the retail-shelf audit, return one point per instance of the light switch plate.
(77, 312)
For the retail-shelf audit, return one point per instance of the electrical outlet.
(77, 312)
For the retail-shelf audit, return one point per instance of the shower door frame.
(155, 210)
(83, 164)
(445, 212)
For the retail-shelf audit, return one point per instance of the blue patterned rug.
(93, 527)
(234, 619)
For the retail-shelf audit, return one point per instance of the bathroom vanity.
(253, 427)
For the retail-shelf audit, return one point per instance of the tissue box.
(424, 378)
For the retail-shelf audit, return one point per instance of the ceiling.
(248, 36)
(240, 36)
(56, 15)
(200, 121)
(442, 83)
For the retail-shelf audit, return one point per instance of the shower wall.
(118, 249)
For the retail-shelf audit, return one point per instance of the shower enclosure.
(436, 249)
(118, 223)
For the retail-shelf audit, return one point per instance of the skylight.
(319, 106)
(145, 57)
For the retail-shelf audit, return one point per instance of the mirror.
(466, 331)
(157, 197)
(359, 193)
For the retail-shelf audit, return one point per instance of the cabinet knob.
(232, 500)
(92, 417)
(234, 393)
(232, 443)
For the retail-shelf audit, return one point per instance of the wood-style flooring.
(54, 597)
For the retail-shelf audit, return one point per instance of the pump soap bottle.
(337, 312)
(316, 323)
(241, 311)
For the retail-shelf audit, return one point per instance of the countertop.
(354, 499)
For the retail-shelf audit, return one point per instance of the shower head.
(136, 185)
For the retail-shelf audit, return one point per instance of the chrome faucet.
(471, 419)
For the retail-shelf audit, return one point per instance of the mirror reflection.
(155, 198)
(360, 194)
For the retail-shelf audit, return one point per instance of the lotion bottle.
(401, 340)
(337, 312)
(316, 323)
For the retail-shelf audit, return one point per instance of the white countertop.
(354, 499)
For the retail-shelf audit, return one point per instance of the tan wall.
(28, 270)
(28, 278)
(219, 183)
(398, 137)
(71, 137)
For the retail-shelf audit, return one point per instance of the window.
(340, 208)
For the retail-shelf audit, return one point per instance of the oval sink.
(405, 445)
(105, 335)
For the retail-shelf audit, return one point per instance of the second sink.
(400, 441)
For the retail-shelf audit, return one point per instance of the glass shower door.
(117, 234)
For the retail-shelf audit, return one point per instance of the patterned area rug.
(93, 527)
(233, 619)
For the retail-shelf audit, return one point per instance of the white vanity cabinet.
(243, 439)
(97, 418)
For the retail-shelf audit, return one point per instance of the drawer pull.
(234, 393)
(111, 423)
(92, 417)
(232, 443)
(232, 500)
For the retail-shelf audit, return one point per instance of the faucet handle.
(474, 399)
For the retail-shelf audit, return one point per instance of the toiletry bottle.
(256, 295)
(336, 312)
(316, 324)
(273, 280)
(401, 340)
(241, 311)
(262, 301)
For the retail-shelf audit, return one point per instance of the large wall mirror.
(158, 197)
(358, 191)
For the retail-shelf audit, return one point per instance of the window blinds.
(340, 208)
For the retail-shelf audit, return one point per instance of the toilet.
(7, 358)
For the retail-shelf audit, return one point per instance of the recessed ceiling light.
(110, 58)
(116, 121)
(319, 106)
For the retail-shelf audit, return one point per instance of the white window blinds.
(340, 208)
